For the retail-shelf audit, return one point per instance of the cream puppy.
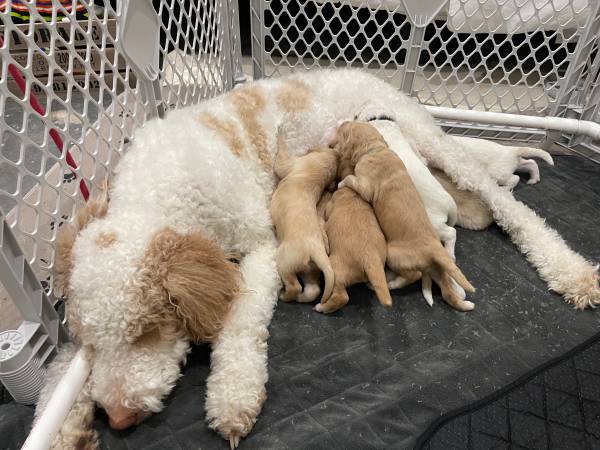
(302, 240)
(473, 214)
(501, 161)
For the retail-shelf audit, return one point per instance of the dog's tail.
(318, 255)
(283, 162)
(376, 274)
(528, 152)
(426, 289)
(445, 263)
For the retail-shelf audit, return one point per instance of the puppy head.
(354, 139)
(181, 290)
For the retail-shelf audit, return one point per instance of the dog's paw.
(466, 305)
(319, 308)
(235, 421)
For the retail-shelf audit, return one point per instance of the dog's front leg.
(358, 185)
(236, 385)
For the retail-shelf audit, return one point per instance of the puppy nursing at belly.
(302, 240)
(381, 179)
(357, 249)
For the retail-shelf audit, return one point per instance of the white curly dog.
(192, 192)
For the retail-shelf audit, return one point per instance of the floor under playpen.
(370, 378)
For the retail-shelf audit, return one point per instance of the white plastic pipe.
(571, 126)
(48, 425)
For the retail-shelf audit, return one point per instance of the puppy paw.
(466, 305)
(460, 292)
(319, 308)
(310, 294)
(286, 298)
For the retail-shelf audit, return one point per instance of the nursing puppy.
(381, 179)
(439, 204)
(299, 229)
(472, 213)
(357, 249)
(502, 161)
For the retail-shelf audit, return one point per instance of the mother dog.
(147, 269)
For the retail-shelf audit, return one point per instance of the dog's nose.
(122, 418)
(122, 423)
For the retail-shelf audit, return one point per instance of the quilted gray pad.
(370, 378)
(557, 407)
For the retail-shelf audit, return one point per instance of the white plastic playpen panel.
(63, 132)
(518, 56)
(529, 57)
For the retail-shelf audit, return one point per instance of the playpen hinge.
(420, 13)
(139, 41)
(423, 12)
(23, 351)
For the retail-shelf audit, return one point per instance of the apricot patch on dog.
(226, 129)
(293, 96)
(105, 240)
(249, 103)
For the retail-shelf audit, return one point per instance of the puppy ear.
(196, 280)
(65, 239)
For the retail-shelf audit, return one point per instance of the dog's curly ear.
(196, 280)
(65, 239)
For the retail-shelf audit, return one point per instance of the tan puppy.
(299, 230)
(357, 249)
(381, 179)
(473, 214)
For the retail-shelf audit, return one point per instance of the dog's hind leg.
(406, 278)
(448, 238)
(513, 180)
(236, 385)
(311, 286)
(288, 267)
(529, 166)
(449, 291)
(401, 259)
(357, 185)
(337, 300)
(292, 288)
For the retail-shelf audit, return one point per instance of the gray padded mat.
(557, 406)
(370, 378)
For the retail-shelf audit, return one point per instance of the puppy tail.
(283, 163)
(376, 275)
(320, 258)
(443, 261)
(426, 289)
(527, 152)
